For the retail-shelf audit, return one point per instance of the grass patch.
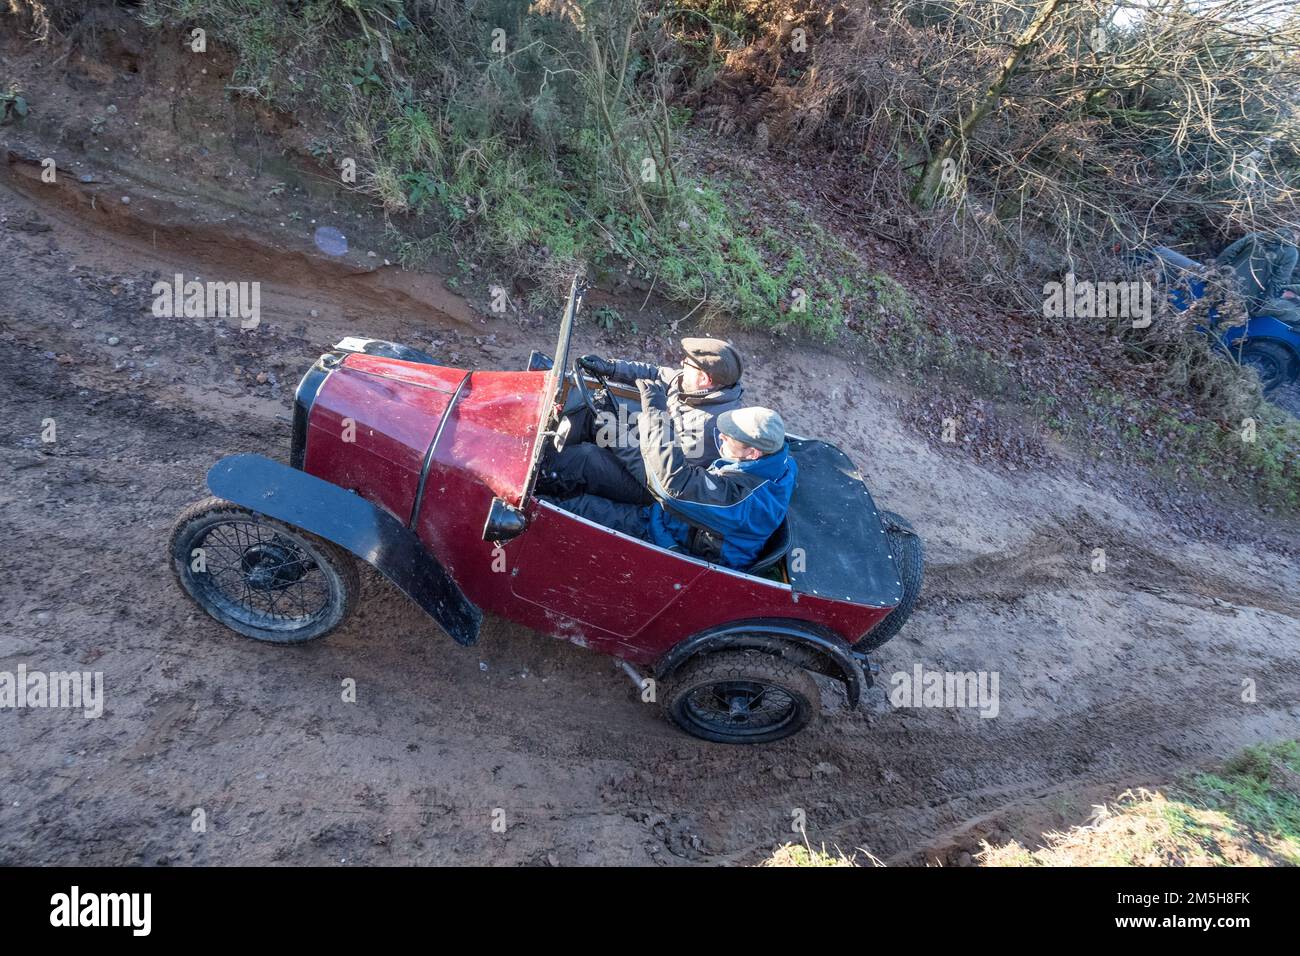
(802, 854)
(1246, 814)
(1263, 448)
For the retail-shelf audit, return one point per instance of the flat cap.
(755, 426)
(715, 357)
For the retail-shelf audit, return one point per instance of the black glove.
(601, 367)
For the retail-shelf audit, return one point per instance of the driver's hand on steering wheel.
(596, 365)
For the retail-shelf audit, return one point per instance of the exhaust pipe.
(632, 674)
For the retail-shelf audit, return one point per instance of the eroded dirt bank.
(1106, 679)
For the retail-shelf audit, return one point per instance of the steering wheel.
(565, 426)
(580, 383)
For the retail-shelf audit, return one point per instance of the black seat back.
(776, 548)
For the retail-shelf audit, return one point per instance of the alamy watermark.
(195, 299)
(1083, 299)
(75, 908)
(922, 688)
(621, 430)
(82, 690)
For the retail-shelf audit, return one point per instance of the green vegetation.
(1246, 814)
(13, 105)
(539, 143)
(548, 154)
(802, 854)
(1261, 445)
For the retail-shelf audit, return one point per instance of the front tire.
(742, 697)
(260, 577)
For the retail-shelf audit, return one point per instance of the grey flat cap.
(757, 427)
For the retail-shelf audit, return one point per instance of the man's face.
(695, 379)
(733, 450)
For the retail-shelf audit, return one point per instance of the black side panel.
(302, 402)
(352, 522)
(833, 520)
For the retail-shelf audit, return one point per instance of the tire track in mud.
(1056, 555)
(972, 775)
(894, 780)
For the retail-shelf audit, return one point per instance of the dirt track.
(1107, 679)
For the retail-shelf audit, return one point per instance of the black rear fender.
(804, 644)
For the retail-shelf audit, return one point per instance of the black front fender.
(352, 522)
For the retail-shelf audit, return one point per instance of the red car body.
(426, 473)
(434, 446)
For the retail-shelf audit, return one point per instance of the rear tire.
(1272, 362)
(909, 559)
(260, 577)
(742, 697)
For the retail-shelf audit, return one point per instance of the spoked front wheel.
(261, 577)
(742, 697)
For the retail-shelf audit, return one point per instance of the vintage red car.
(426, 472)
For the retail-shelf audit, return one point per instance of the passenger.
(705, 385)
(723, 512)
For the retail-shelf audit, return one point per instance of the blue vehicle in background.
(1267, 278)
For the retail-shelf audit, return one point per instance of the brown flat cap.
(716, 358)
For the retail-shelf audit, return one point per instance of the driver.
(724, 512)
(705, 385)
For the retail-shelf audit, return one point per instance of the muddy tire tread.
(743, 665)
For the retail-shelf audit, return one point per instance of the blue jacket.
(724, 512)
